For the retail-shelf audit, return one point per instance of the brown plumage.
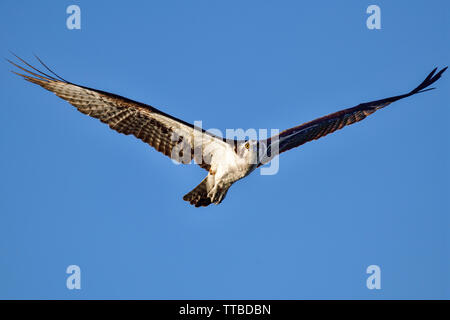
(318, 128)
(226, 161)
(156, 128)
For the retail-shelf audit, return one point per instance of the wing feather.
(323, 126)
(167, 134)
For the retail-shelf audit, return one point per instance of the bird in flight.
(226, 160)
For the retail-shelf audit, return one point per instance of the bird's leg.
(212, 193)
(218, 193)
(213, 169)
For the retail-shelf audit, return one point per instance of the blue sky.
(375, 193)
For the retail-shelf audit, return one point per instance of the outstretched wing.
(320, 127)
(169, 135)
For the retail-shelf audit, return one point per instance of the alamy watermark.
(74, 280)
(200, 146)
(74, 20)
(374, 20)
(374, 280)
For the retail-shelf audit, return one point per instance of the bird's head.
(248, 150)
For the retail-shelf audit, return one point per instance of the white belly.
(229, 168)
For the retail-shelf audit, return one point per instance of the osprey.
(226, 160)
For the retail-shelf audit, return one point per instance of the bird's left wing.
(320, 127)
(173, 137)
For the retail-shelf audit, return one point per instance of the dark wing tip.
(429, 80)
(50, 70)
(36, 72)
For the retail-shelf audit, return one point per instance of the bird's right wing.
(173, 137)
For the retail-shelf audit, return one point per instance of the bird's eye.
(247, 145)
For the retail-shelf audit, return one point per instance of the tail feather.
(207, 192)
(199, 195)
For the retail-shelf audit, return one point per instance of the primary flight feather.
(226, 161)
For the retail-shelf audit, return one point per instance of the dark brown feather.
(156, 128)
(320, 127)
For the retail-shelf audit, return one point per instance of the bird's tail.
(207, 192)
(199, 195)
